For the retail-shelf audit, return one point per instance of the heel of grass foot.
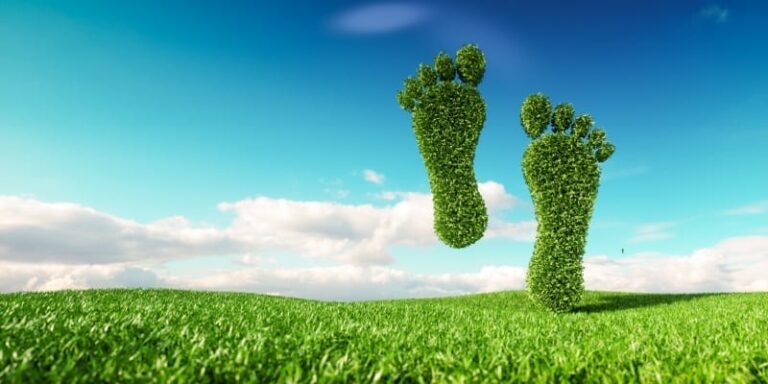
(460, 223)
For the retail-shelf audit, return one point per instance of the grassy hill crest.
(159, 335)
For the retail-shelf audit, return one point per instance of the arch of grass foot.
(448, 116)
(562, 174)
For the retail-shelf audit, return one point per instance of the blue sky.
(148, 110)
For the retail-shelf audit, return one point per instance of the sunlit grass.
(183, 336)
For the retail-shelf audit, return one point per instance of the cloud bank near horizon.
(49, 246)
(733, 265)
(65, 233)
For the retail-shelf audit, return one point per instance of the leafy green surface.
(186, 336)
(562, 174)
(535, 114)
(448, 116)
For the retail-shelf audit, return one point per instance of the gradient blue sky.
(145, 109)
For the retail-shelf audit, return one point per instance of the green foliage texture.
(447, 117)
(562, 173)
(168, 336)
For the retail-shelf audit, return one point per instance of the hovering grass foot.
(447, 117)
(562, 173)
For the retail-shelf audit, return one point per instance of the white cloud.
(357, 234)
(715, 13)
(31, 230)
(35, 231)
(349, 282)
(59, 245)
(496, 197)
(652, 232)
(734, 264)
(496, 200)
(16, 276)
(344, 282)
(522, 231)
(494, 194)
(251, 260)
(380, 18)
(372, 176)
(751, 209)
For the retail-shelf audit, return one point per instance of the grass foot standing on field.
(447, 118)
(562, 174)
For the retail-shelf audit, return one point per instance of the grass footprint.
(562, 173)
(447, 118)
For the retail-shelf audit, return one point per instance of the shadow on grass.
(606, 302)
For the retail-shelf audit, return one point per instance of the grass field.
(182, 336)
